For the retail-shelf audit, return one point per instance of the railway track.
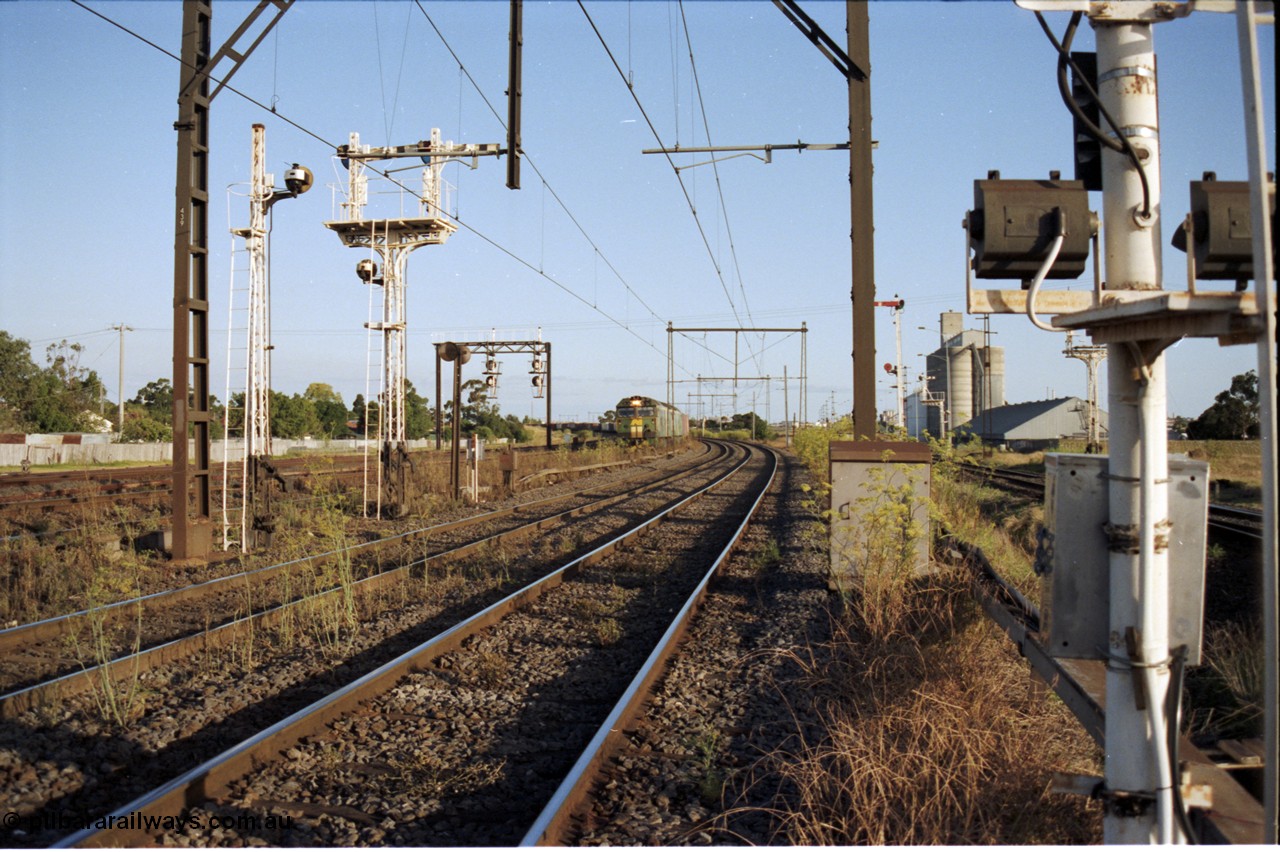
(1224, 520)
(40, 491)
(175, 735)
(68, 654)
(54, 490)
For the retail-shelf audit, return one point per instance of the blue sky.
(86, 186)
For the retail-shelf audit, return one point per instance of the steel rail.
(552, 824)
(213, 777)
(56, 626)
(1234, 520)
(222, 635)
(118, 482)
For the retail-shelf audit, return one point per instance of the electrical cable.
(706, 125)
(1121, 143)
(1173, 711)
(688, 200)
(384, 174)
(549, 188)
(1034, 290)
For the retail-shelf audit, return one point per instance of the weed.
(1227, 691)
(118, 699)
(490, 670)
(710, 779)
(607, 631)
(424, 776)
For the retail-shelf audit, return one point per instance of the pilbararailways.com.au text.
(138, 821)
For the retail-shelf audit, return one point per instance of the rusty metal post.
(190, 517)
(455, 440)
(439, 421)
(862, 229)
(514, 71)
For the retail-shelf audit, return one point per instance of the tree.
(330, 410)
(17, 372)
(357, 413)
(57, 398)
(1233, 415)
(418, 421)
(157, 398)
(293, 416)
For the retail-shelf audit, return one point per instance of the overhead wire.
(684, 189)
(545, 183)
(706, 125)
(385, 174)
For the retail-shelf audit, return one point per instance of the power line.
(684, 189)
(388, 175)
(549, 188)
(706, 126)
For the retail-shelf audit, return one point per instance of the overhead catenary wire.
(387, 175)
(548, 188)
(715, 168)
(684, 189)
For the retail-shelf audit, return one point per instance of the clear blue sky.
(87, 183)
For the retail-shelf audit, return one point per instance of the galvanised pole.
(1137, 672)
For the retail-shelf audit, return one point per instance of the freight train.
(640, 419)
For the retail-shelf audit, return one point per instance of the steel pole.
(862, 230)
(1268, 389)
(455, 439)
(1137, 672)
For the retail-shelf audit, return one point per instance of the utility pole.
(786, 407)
(190, 500)
(122, 328)
(862, 227)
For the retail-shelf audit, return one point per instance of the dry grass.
(936, 737)
(916, 722)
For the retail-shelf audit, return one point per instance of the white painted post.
(1137, 759)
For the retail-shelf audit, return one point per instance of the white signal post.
(898, 304)
(392, 240)
(1138, 668)
(257, 395)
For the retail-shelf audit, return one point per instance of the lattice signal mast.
(391, 240)
(255, 469)
(1092, 357)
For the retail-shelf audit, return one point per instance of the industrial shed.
(1027, 426)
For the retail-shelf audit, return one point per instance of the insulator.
(537, 365)
(491, 381)
(537, 380)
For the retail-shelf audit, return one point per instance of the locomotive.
(643, 419)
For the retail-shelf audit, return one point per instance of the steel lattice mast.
(391, 240)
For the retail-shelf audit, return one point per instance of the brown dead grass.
(937, 737)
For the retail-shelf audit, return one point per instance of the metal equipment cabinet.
(866, 477)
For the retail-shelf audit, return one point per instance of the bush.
(139, 430)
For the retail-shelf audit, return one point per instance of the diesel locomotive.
(641, 419)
